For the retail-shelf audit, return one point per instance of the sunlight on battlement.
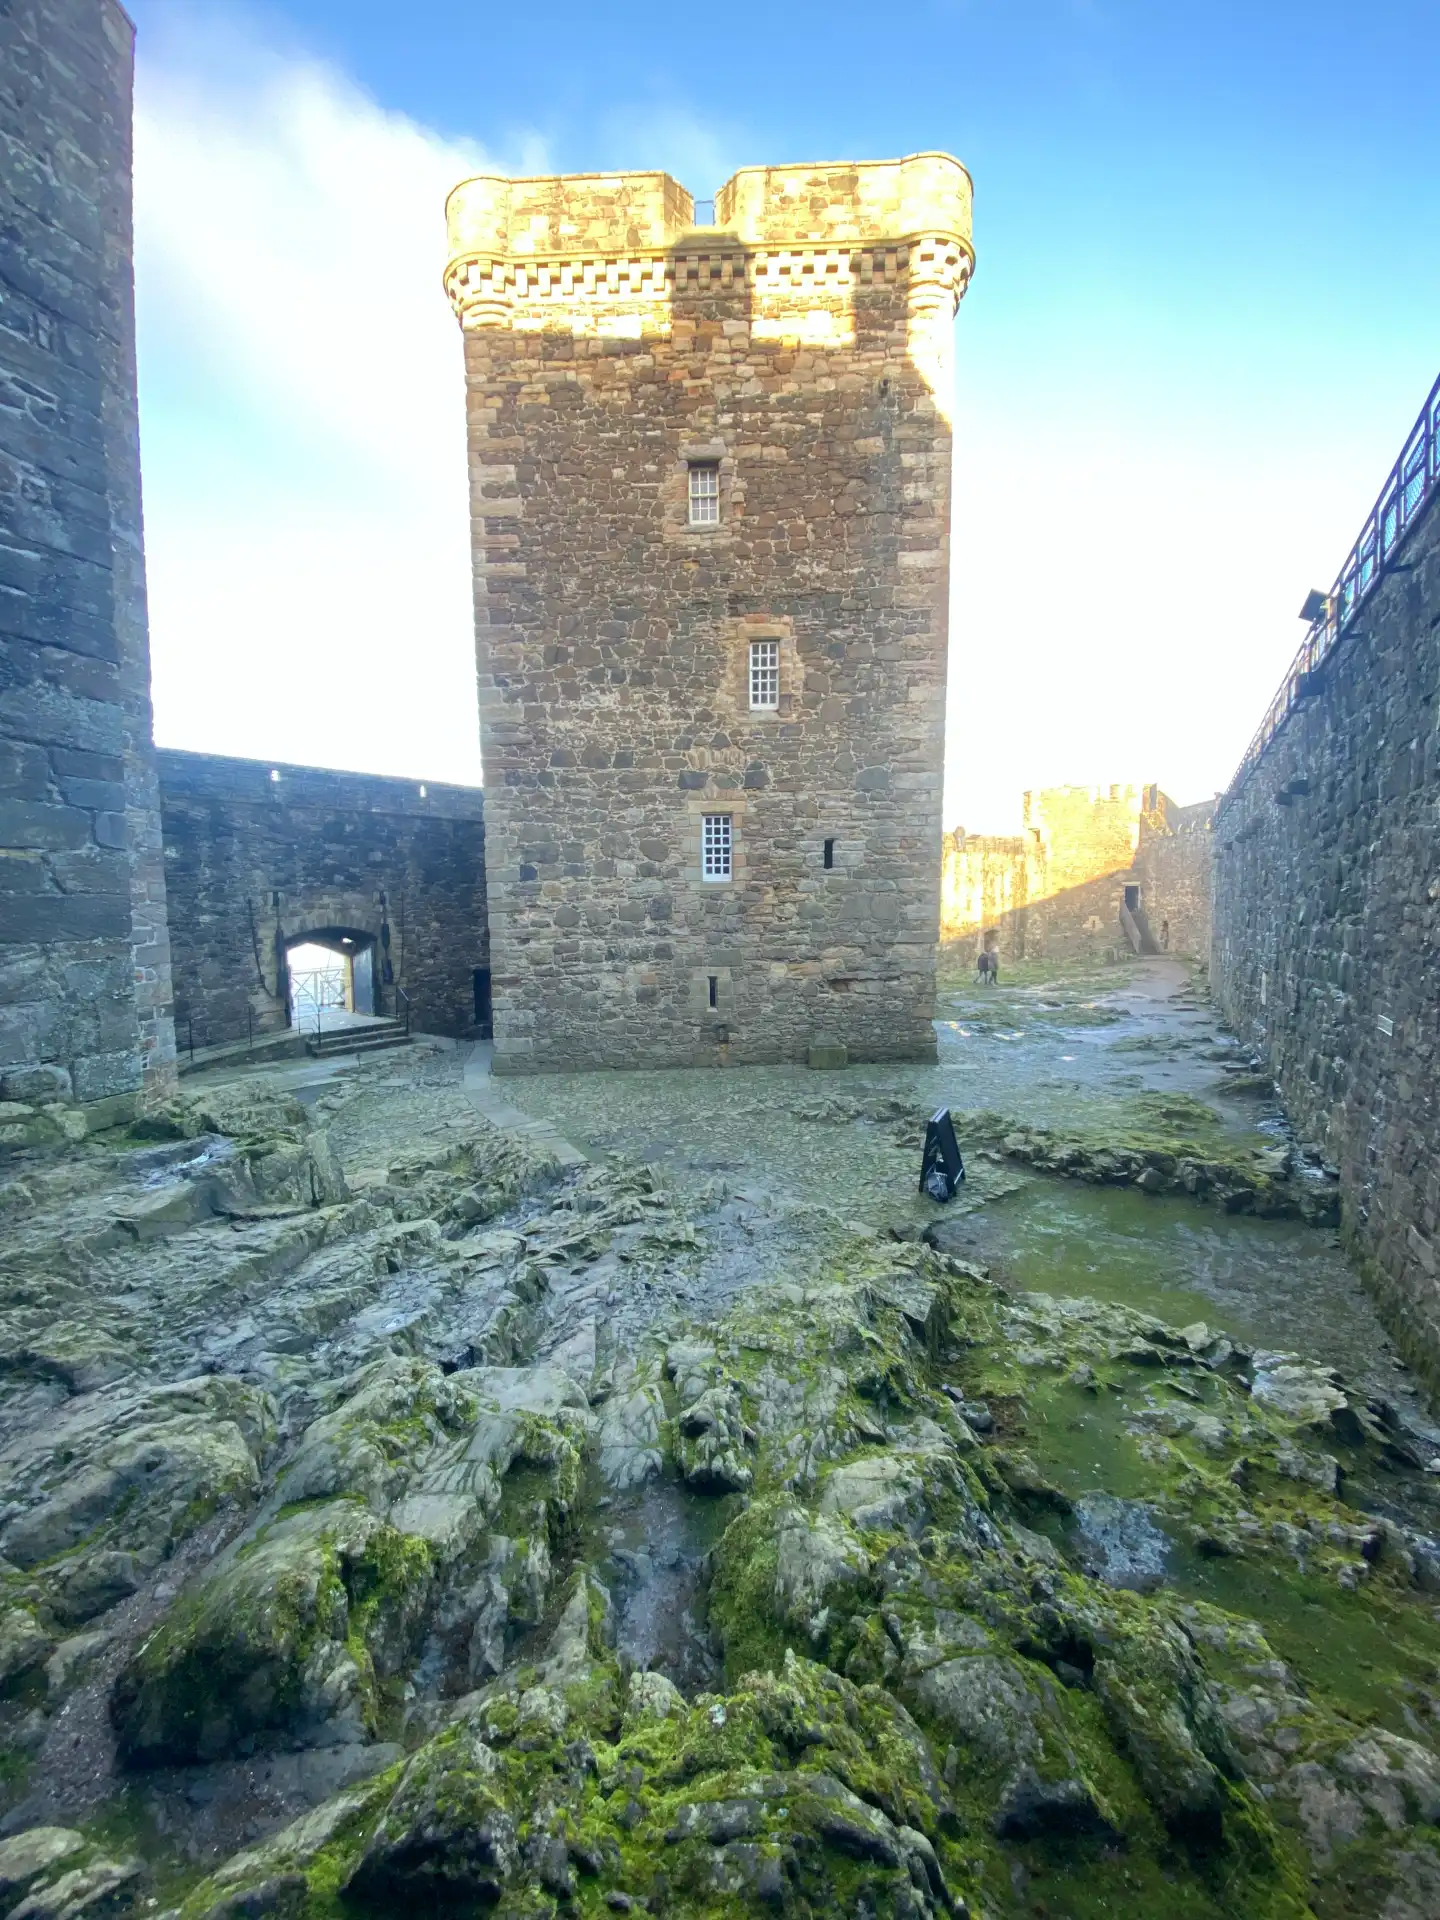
(609, 254)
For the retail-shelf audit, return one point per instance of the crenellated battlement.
(560, 250)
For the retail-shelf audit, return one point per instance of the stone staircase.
(373, 1037)
(1137, 930)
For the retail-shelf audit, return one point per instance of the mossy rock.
(292, 1636)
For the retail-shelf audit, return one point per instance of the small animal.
(987, 966)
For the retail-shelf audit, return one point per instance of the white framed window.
(765, 674)
(716, 841)
(704, 493)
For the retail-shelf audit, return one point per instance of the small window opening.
(274, 773)
(715, 847)
(705, 493)
(714, 989)
(765, 674)
(829, 853)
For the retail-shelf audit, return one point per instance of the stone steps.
(368, 1039)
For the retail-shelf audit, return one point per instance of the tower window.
(714, 989)
(705, 493)
(715, 846)
(829, 853)
(765, 674)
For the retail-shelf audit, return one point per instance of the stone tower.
(710, 487)
(85, 1014)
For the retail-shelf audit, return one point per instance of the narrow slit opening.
(714, 989)
(829, 853)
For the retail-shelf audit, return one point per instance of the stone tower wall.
(84, 956)
(803, 346)
(1327, 927)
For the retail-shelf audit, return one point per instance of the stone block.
(37, 1084)
(46, 826)
(101, 1076)
(827, 1056)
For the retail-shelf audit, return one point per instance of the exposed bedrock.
(987, 1598)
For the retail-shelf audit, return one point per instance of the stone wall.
(1173, 869)
(987, 882)
(258, 852)
(84, 958)
(801, 347)
(1055, 890)
(1327, 927)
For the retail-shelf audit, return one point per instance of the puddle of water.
(1267, 1283)
(1369, 1650)
(154, 1167)
(649, 1548)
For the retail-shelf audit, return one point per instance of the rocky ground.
(395, 1520)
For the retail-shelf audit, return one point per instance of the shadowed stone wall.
(1327, 927)
(248, 857)
(801, 348)
(84, 959)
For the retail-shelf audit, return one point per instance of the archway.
(332, 977)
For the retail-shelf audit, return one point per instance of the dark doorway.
(484, 1018)
(1132, 898)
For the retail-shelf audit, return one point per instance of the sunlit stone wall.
(802, 346)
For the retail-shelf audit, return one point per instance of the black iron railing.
(204, 1032)
(1413, 479)
(402, 1007)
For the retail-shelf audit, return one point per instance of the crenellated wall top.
(856, 201)
(628, 235)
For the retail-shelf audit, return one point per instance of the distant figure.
(1165, 936)
(987, 967)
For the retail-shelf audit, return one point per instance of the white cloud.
(302, 413)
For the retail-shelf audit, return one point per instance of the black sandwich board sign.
(941, 1168)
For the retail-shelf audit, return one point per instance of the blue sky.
(1204, 316)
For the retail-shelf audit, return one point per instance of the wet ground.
(1050, 1048)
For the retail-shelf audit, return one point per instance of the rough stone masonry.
(710, 475)
(262, 855)
(1327, 915)
(84, 956)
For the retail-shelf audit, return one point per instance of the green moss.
(742, 1593)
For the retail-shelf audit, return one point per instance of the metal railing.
(190, 1034)
(402, 999)
(1413, 479)
(315, 988)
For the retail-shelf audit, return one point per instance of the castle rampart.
(710, 505)
(1327, 904)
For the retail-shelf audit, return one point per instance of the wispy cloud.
(302, 411)
(700, 151)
